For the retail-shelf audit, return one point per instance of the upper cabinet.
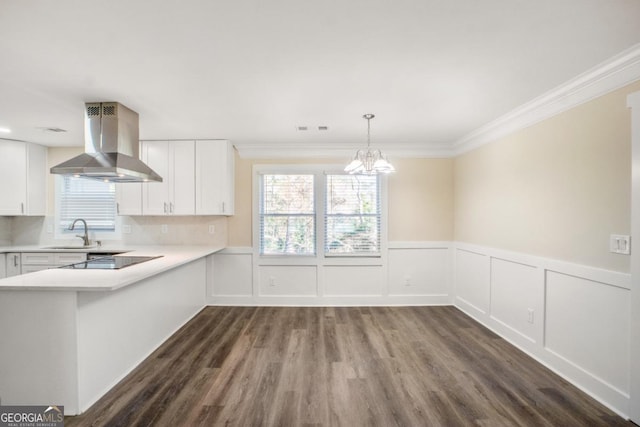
(214, 178)
(23, 172)
(197, 179)
(174, 161)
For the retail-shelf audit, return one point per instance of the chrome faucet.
(85, 238)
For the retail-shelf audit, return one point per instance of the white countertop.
(52, 248)
(61, 279)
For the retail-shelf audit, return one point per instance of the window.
(287, 215)
(304, 213)
(352, 214)
(94, 201)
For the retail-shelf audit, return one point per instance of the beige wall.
(420, 199)
(557, 189)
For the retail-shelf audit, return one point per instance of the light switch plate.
(620, 244)
(126, 229)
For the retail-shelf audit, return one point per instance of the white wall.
(633, 101)
(572, 318)
(118, 330)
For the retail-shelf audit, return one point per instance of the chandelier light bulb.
(369, 162)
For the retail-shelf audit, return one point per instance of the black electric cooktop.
(110, 262)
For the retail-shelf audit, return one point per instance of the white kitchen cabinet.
(36, 261)
(129, 198)
(214, 175)
(23, 168)
(13, 264)
(174, 161)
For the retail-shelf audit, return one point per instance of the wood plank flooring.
(363, 366)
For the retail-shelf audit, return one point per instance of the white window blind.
(287, 215)
(352, 215)
(94, 201)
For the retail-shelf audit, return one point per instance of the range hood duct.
(112, 147)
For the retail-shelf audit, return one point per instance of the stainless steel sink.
(70, 247)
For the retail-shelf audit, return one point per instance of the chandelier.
(369, 162)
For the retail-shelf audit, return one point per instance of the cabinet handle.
(223, 207)
(118, 208)
(22, 207)
(170, 207)
(165, 207)
(15, 260)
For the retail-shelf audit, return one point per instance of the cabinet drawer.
(70, 258)
(52, 259)
(38, 258)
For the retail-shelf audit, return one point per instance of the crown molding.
(296, 150)
(610, 75)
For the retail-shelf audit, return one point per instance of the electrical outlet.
(272, 281)
(620, 244)
(407, 280)
(212, 229)
(530, 315)
(126, 229)
(49, 228)
(164, 228)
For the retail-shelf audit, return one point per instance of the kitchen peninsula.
(70, 335)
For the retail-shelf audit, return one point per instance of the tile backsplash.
(5, 231)
(162, 230)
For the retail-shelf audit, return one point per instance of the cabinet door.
(3, 266)
(155, 195)
(13, 178)
(13, 264)
(129, 198)
(214, 178)
(182, 187)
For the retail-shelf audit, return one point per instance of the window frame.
(62, 233)
(261, 215)
(321, 257)
(326, 215)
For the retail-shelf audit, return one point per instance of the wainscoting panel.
(517, 299)
(240, 277)
(588, 324)
(232, 275)
(419, 271)
(580, 325)
(287, 280)
(353, 280)
(471, 275)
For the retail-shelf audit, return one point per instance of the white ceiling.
(252, 71)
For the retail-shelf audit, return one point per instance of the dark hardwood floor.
(371, 366)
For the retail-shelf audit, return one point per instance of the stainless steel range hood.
(112, 147)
